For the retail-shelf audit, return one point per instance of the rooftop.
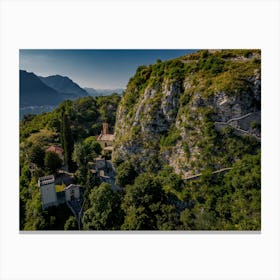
(55, 149)
(72, 186)
(106, 137)
(46, 180)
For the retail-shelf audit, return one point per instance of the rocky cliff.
(199, 111)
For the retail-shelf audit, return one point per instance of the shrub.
(125, 174)
(204, 54)
(170, 139)
(186, 150)
(247, 53)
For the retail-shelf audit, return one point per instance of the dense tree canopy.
(52, 162)
(37, 155)
(93, 145)
(126, 174)
(146, 205)
(71, 224)
(67, 142)
(105, 212)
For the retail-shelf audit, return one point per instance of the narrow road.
(214, 172)
(77, 210)
(243, 132)
(239, 118)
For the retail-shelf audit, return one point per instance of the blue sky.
(93, 68)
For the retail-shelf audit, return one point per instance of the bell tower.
(105, 128)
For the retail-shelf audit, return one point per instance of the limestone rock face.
(170, 100)
(173, 113)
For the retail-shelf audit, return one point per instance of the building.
(106, 139)
(72, 192)
(100, 163)
(48, 191)
(53, 195)
(59, 151)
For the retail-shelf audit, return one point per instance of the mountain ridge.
(42, 94)
(64, 85)
(103, 92)
(34, 92)
(175, 113)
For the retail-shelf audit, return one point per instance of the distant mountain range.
(33, 92)
(43, 94)
(103, 92)
(64, 85)
(38, 91)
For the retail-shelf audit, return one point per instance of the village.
(59, 188)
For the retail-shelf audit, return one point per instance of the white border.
(135, 24)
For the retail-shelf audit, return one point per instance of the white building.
(48, 192)
(72, 192)
(51, 196)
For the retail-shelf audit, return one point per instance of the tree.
(125, 174)
(244, 181)
(168, 218)
(170, 180)
(36, 155)
(92, 181)
(136, 219)
(81, 154)
(229, 202)
(107, 107)
(105, 212)
(67, 142)
(142, 203)
(34, 219)
(25, 177)
(52, 161)
(71, 224)
(93, 145)
(187, 219)
(150, 204)
(85, 151)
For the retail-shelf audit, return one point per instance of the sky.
(99, 69)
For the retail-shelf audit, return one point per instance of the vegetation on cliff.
(196, 114)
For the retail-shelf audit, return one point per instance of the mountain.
(103, 92)
(43, 94)
(34, 92)
(194, 113)
(64, 85)
(92, 91)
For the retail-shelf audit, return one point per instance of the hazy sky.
(92, 68)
